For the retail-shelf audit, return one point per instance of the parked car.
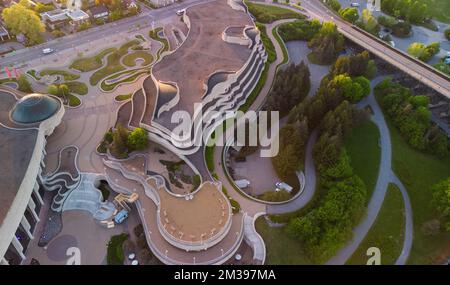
(47, 50)
(354, 4)
(283, 186)
(181, 12)
(121, 216)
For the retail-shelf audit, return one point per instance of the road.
(143, 19)
(397, 58)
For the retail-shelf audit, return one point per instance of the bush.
(275, 196)
(447, 33)
(350, 14)
(299, 30)
(115, 254)
(137, 139)
(422, 52)
(24, 84)
(138, 230)
(441, 200)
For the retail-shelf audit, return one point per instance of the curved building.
(25, 122)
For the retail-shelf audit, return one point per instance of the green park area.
(267, 14)
(154, 34)
(387, 233)
(281, 249)
(364, 151)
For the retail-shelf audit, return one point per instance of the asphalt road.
(145, 18)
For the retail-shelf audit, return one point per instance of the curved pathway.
(249, 206)
(385, 176)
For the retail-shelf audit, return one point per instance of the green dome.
(34, 108)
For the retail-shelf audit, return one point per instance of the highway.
(142, 19)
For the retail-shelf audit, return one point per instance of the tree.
(422, 52)
(349, 14)
(334, 4)
(369, 22)
(63, 90)
(21, 20)
(447, 33)
(118, 146)
(53, 89)
(137, 139)
(24, 85)
(441, 200)
(327, 43)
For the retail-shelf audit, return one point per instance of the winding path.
(385, 176)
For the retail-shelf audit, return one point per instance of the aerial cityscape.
(225, 132)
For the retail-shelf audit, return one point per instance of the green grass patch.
(362, 145)
(154, 34)
(282, 45)
(115, 255)
(267, 14)
(6, 80)
(419, 171)
(209, 157)
(73, 100)
(280, 248)
(123, 97)
(113, 64)
(130, 59)
(91, 63)
(33, 74)
(387, 233)
(268, 45)
(439, 9)
(77, 87)
(131, 78)
(68, 76)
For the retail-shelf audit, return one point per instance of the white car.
(354, 4)
(47, 50)
(181, 12)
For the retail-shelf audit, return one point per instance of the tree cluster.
(290, 88)
(325, 228)
(121, 141)
(326, 44)
(368, 22)
(413, 11)
(400, 29)
(441, 200)
(302, 30)
(412, 117)
(350, 14)
(422, 52)
(21, 20)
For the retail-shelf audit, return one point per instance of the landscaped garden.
(154, 34)
(91, 63)
(419, 169)
(267, 14)
(387, 232)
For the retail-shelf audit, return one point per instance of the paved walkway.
(385, 176)
(249, 206)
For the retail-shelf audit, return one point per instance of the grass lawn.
(33, 74)
(91, 63)
(387, 232)
(73, 100)
(113, 64)
(154, 35)
(77, 87)
(130, 59)
(68, 76)
(419, 171)
(209, 157)
(123, 97)
(281, 249)
(267, 14)
(365, 153)
(115, 254)
(439, 9)
(109, 87)
(282, 45)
